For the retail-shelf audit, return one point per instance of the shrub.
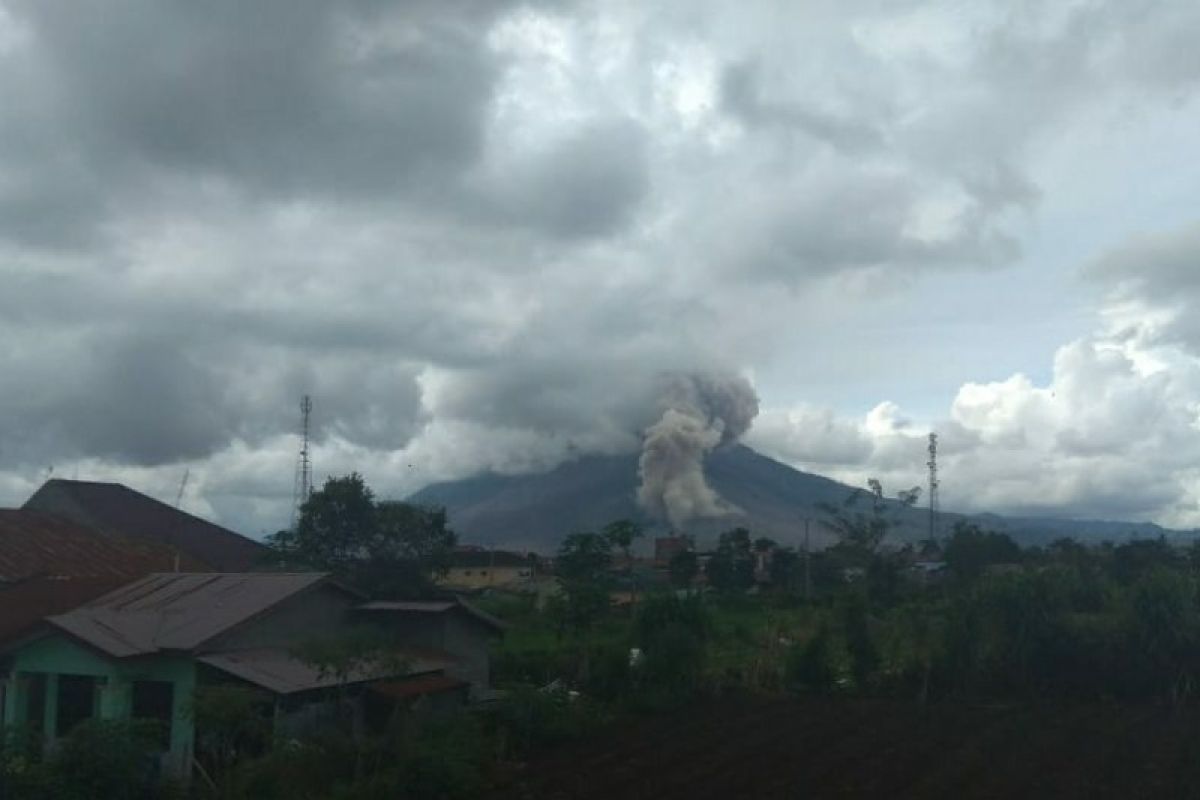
(811, 666)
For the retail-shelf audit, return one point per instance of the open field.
(842, 748)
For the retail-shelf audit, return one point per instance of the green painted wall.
(59, 655)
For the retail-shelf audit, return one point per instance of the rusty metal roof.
(283, 673)
(24, 604)
(37, 544)
(116, 509)
(418, 685)
(178, 611)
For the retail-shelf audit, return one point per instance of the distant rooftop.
(116, 509)
(38, 544)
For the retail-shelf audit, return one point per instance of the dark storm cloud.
(477, 232)
(586, 184)
(284, 97)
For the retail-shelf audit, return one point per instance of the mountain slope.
(536, 511)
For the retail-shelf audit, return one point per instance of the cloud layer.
(479, 232)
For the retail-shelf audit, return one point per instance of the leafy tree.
(672, 633)
(861, 532)
(584, 565)
(731, 567)
(684, 567)
(622, 533)
(970, 550)
(387, 548)
(1133, 559)
(786, 571)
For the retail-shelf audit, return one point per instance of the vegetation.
(1065, 622)
(389, 549)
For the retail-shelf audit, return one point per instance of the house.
(142, 651)
(474, 568)
(451, 627)
(116, 510)
(49, 565)
(667, 547)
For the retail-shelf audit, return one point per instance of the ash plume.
(700, 412)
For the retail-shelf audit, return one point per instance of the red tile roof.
(117, 509)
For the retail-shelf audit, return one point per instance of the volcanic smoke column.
(700, 412)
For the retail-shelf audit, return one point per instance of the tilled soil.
(840, 748)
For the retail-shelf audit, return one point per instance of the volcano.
(536, 511)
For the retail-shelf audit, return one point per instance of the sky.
(478, 234)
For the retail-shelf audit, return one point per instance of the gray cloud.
(476, 232)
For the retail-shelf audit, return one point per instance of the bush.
(811, 666)
(101, 758)
(529, 718)
(672, 633)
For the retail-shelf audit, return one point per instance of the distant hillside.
(536, 511)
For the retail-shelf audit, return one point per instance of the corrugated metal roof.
(432, 607)
(33, 543)
(178, 611)
(115, 508)
(283, 673)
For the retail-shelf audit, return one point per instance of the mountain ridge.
(535, 511)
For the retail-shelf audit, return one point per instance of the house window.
(76, 702)
(154, 700)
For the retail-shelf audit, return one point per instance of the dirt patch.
(835, 748)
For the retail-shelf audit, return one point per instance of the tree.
(860, 533)
(731, 567)
(386, 548)
(684, 567)
(970, 550)
(583, 566)
(786, 570)
(622, 533)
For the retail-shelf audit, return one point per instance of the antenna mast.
(302, 489)
(933, 487)
(182, 485)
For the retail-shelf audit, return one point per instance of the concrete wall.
(467, 638)
(316, 614)
(455, 632)
(59, 655)
(485, 577)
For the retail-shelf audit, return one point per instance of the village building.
(476, 568)
(143, 650)
(113, 509)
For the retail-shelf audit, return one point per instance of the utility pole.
(933, 487)
(182, 485)
(302, 488)
(807, 565)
